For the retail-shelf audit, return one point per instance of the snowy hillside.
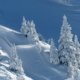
(35, 62)
(25, 56)
(5, 73)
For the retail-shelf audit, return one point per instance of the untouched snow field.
(34, 57)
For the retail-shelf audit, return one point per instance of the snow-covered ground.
(34, 57)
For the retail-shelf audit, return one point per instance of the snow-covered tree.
(34, 33)
(70, 70)
(24, 27)
(73, 71)
(76, 41)
(77, 45)
(15, 62)
(29, 30)
(66, 44)
(53, 53)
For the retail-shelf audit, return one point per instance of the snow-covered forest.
(68, 51)
(25, 55)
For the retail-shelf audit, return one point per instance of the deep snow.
(34, 56)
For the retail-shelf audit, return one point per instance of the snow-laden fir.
(26, 56)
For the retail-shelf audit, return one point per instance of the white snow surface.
(34, 57)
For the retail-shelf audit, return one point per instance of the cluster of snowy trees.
(28, 29)
(68, 51)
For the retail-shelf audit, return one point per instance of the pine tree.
(15, 62)
(53, 53)
(29, 30)
(66, 45)
(20, 67)
(76, 41)
(73, 71)
(25, 28)
(34, 33)
(77, 45)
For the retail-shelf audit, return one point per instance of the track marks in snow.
(25, 46)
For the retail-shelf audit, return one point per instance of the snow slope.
(5, 73)
(34, 56)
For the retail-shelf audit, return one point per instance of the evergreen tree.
(24, 26)
(77, 45)
(66, 47)
(76, 41)
(28, 29)
(34, 33)
(53, 53)
(15, 62)
(73, 71)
